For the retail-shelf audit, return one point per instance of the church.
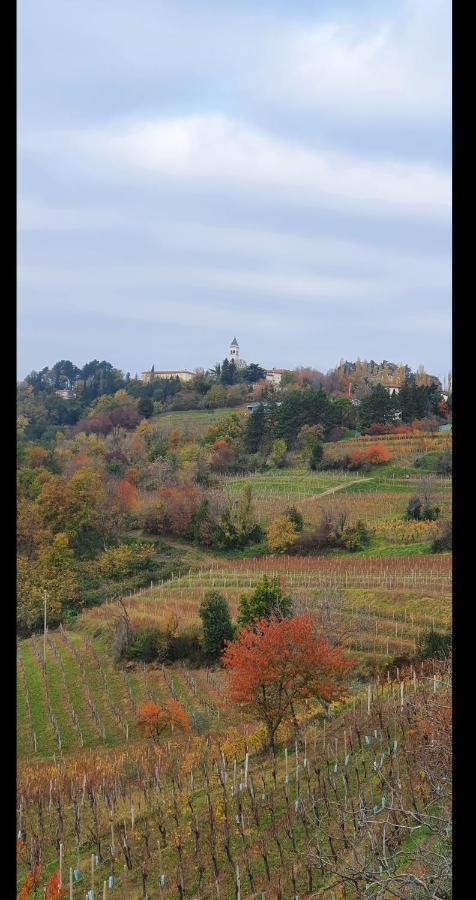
(234, 355)
(272, 375)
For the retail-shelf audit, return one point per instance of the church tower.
(234, 354)
(234, 351)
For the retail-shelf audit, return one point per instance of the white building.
(183, 374)
(274, 375)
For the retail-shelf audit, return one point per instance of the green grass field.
(194, 420)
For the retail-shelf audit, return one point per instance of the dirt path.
(339, 487)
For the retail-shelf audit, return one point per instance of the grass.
(196, 420)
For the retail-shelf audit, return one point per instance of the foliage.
(222, 456)
(237, 529)
(295, 517)
(280, 533)
(54, 570)
(144, 644)
(421, 509)
(268, 599)
(443, 540)
(315, 456)
(356, 537)
(274, 664)
(216, 621)
(278, 455)
(443, 464)
(126, 559)
(154, 721)
(433, 644)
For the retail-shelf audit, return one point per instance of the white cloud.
(397, 65)
(219, 153)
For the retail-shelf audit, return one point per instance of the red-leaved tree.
(154, 720)
(272, 665)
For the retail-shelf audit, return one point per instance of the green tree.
(379, 406)
(267, 599)
(315, 456)
(145, 407)
(253, 373)
(255, 430)
(277, 456)
(295, 517)
(217, 625)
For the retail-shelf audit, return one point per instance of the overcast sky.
(276, 170)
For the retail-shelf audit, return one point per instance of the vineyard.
(80, 699)
(356, 801)
(209, 817)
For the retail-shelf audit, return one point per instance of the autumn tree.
(275, 664)
(222, 456)
(280, 534)
(268, 599)
(154, 721)
(216, 620)
(54, 571)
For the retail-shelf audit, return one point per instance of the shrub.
(443, 464)
(433, 644)
(119, 562)
(421, 510)
(216, 621)
(311, 542)
(374, 455)
(443, 541)
(144, 644)
(184, 645)
(356, 537)
(267, 599)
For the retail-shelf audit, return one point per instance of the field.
(217, 819)
(194, 421)
(210, 814)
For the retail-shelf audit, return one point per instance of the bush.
(185, 645)
(355, 538)
(144, 644)
(443, 541)
(434, 644)
(443, 464)
(419, 510)
(309, 543)
(119, 562)
(217, 625)
(266, 600)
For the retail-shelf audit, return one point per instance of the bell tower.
(234, 351)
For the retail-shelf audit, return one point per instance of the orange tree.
(154, 720)
(274, 664)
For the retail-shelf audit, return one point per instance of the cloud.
(221, 154)
(399, 65)
(279, 170)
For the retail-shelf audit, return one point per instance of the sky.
(193, 171)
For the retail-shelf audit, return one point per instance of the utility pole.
(44, 628)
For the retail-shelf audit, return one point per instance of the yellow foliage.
(280, 533)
